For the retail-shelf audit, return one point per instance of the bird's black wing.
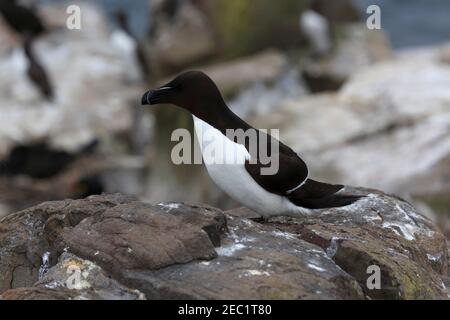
(291, 178)
(309, 193)
(312, 189)
(319, 195)
(292, 171)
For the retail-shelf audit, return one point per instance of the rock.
(395, 78)
(381, 231)
(311, 118)
(125, 249)
(156, 238)
(261, 97)
(38, 293)
(179, 36)
(254, 262)
(75, 279)
(23, 242)
(168, 238)
(356, 48)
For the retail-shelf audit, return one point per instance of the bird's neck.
(125, 28)
(222, 118)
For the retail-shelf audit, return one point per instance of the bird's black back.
(21, 19)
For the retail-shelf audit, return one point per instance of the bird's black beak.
(156, 96)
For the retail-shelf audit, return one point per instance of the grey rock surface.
(126, 249)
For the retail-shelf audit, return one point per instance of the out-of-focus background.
(363, 107)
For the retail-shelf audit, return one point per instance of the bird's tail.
(318, 195)
(332, 201)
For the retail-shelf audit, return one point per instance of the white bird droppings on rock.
(315, 267)
(45, 265)
(52, 285)
(283, 234)
(333, 247)
(253, 273)
(405, 230)
(230, 249)
(247, 222)
(169, 206)
(434, 257)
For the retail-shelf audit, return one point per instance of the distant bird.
(169, 8)
(25, 22)
(37, 161)
(40, 160)
(316, 29)
(22, 20)
(287, 192)
(36, 72)
(131, 47)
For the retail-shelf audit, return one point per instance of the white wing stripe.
(301, 184)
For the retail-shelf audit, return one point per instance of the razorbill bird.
(36, 72)
(316, 29)
(21, 19)
(287, 192)
(130, 46)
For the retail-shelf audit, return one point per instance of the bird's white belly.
(232, 177)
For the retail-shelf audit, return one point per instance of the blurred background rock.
(363, 107)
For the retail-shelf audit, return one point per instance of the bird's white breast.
(232, 177)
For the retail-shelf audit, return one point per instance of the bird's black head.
(193, 91)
